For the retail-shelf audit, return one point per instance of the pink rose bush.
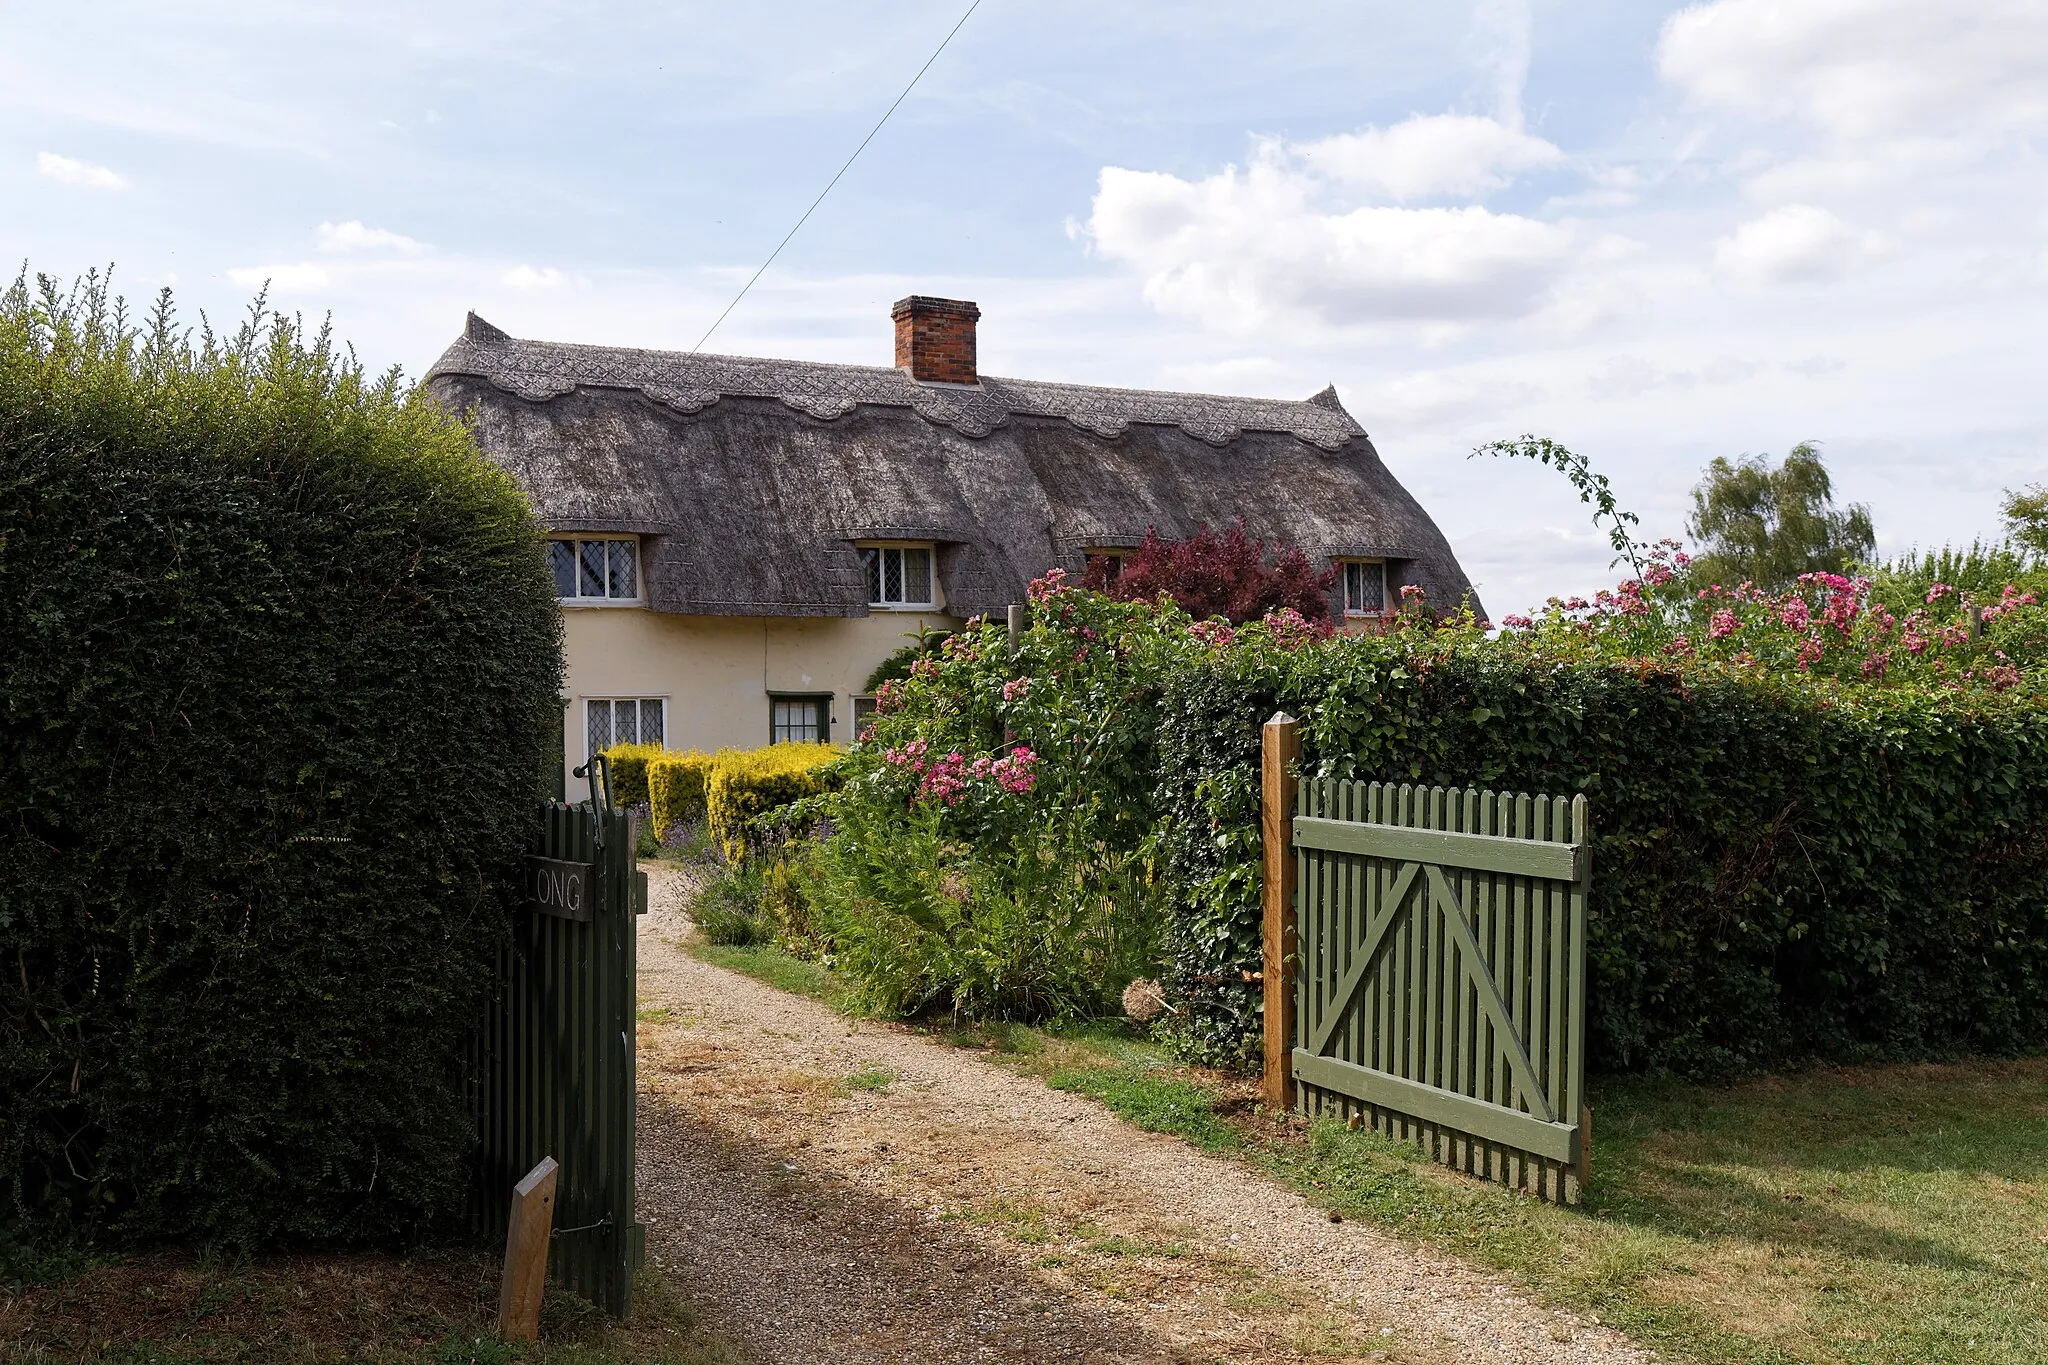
(1825, 625)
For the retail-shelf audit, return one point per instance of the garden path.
(833, 1191)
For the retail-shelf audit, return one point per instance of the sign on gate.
(557, 887)
(1438, 979)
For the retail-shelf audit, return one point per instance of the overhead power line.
(835, 179)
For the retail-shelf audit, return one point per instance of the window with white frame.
(799, 719)
(1365, 587)
(899, 575)
(623, 720)
(605, 570)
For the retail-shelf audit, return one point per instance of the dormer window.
(1108, 564)
(899, 575)
(596, 570)
(1365, 587)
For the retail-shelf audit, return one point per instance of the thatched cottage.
(739, 542)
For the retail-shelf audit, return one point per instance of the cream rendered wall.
(717, 671)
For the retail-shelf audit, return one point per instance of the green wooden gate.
(1440, 986)
(553, 1069)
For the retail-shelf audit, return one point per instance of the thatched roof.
(754, 478)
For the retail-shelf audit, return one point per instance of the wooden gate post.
(1280, 752)
(527, 1233)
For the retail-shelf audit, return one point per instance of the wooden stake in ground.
(1280, 754)
(527, 1233)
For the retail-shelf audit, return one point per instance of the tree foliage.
(1211, 575)
(282, 661)
(2026, 517)
(1767, 526)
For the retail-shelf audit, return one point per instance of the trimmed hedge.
(1781, 871)
(260, 615)
(743, 784)
(675, 790)
(1785, 868)
(628, 765)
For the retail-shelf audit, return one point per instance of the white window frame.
(874, 555)
(1364, 613)
(639, 594)
(641, 702)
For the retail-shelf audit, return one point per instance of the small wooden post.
(1280, 753)
(526, 1253)
(1585, 1147)
(1016, 626)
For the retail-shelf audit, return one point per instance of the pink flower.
(1044, 589)
(1810, 652)
(1015, 688)
(1513, 622)
(1939, 591)
(1723, 625)
(1795, 613)
(1875, 666)
(1215, 633)
(1680, 648)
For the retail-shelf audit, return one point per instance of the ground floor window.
(863, 716)
(1365, 587)
(623, 720)
(799, 720)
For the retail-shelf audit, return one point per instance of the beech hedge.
(1787, 868)
(1784, 870)
(282, 662)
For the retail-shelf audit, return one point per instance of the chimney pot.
(935, 339)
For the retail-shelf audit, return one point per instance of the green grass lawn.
(1878, 1214)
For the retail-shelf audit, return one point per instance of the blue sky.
(1655, 233)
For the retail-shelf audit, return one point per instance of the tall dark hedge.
(282, 662)
(1783, 871)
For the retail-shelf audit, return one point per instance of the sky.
(1655, 233)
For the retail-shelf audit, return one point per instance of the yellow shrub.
(629, 771)
(742, 784)
(675, 789)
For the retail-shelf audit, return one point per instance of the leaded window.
(596, 570)
(898, 575)
(1365, 587)
(623, 720)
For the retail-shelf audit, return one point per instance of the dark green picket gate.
(1440, 986)
(553, 1069)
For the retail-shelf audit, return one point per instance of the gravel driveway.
(827, 1191)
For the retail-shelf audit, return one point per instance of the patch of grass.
(873, 1079)
(432, 1308)
(1872, 1216)
(1155, 1100)
(652, 1014)
(774, 967)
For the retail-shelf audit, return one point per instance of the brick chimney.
(935, 339)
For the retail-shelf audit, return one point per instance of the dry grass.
(308, 1309)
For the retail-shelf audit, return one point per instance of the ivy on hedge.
(282, 663)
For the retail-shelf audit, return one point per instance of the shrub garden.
(1821, 813)
(283, 662)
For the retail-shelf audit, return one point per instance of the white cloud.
(1430, 155)
(1250, 246)
(526, 277)
(296, 277)
(352, 236)
(1866, 68)
(1793, 244)
(71, 171)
